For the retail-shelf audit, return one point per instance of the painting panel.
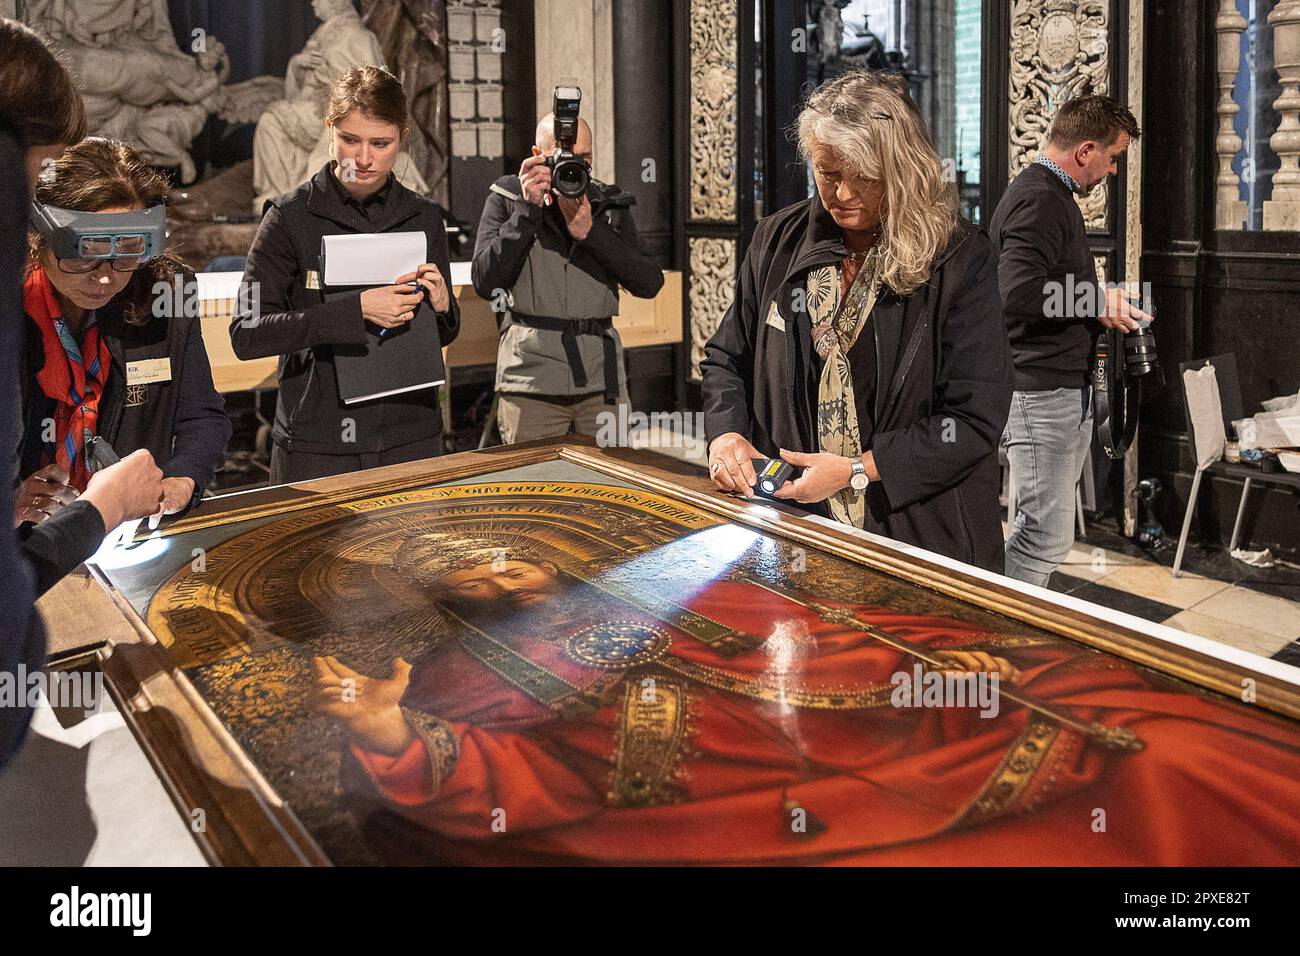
(557, 665)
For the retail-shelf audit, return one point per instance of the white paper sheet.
(370, 258)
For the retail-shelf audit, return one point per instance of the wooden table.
(640, 322)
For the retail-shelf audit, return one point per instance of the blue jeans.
(1047, 438)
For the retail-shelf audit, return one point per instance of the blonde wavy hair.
(872, 125)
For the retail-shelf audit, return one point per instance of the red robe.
(1217, 783)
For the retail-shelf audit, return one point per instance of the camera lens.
(1139, 352)
(571, 178)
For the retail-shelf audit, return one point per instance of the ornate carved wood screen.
(715, 117)
(1058, 50)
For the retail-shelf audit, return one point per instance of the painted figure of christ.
(563, 722)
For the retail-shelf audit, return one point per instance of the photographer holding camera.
(1043, 260)
(553, 247)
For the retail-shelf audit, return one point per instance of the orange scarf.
(75, 386)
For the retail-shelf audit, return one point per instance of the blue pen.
(384, 331)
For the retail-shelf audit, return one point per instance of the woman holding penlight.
(866, 344)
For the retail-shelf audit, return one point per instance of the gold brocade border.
(650, 734)
(544, 686)
(1007, 784)
(992, 641)
(833, 698)
(439, 740)
(726, 641)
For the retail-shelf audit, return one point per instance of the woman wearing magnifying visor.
(105, 354)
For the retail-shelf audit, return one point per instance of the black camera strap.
(1114, 396)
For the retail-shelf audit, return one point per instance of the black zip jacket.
(943, 372)
(296, 323)
(611, 252)
(182, 422)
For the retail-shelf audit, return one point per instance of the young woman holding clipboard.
(285, 312)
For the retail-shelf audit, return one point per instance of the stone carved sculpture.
(291, 142)
(138, 85)
(413, 36)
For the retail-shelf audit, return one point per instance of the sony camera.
(1140, 345)
(570, 175)
(1140, 353)
(1120, 363)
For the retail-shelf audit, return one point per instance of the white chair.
(1212, 397)
(1205, 422)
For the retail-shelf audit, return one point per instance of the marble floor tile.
(1262, 612)
(1156, 583)
(1228, 632)
(1091, 563)
(1113, 599)
(1289, 654)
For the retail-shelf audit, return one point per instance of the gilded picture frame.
(237, 816)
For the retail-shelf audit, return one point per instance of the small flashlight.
(772, 473)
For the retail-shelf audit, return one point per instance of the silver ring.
(713, 468)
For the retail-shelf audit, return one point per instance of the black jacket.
(943, 381)
(182, 422)
(611, 252)
(22, 638)
(1044, 264)
(296, 323)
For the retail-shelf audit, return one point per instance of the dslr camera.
(1120, 363)
(570, 175)
(1140, 351)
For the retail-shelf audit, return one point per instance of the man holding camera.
(1043, 263)
(553, 248)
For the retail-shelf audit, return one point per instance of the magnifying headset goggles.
(82, 240)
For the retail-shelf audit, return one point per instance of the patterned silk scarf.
(66, 378)
(835, 327)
